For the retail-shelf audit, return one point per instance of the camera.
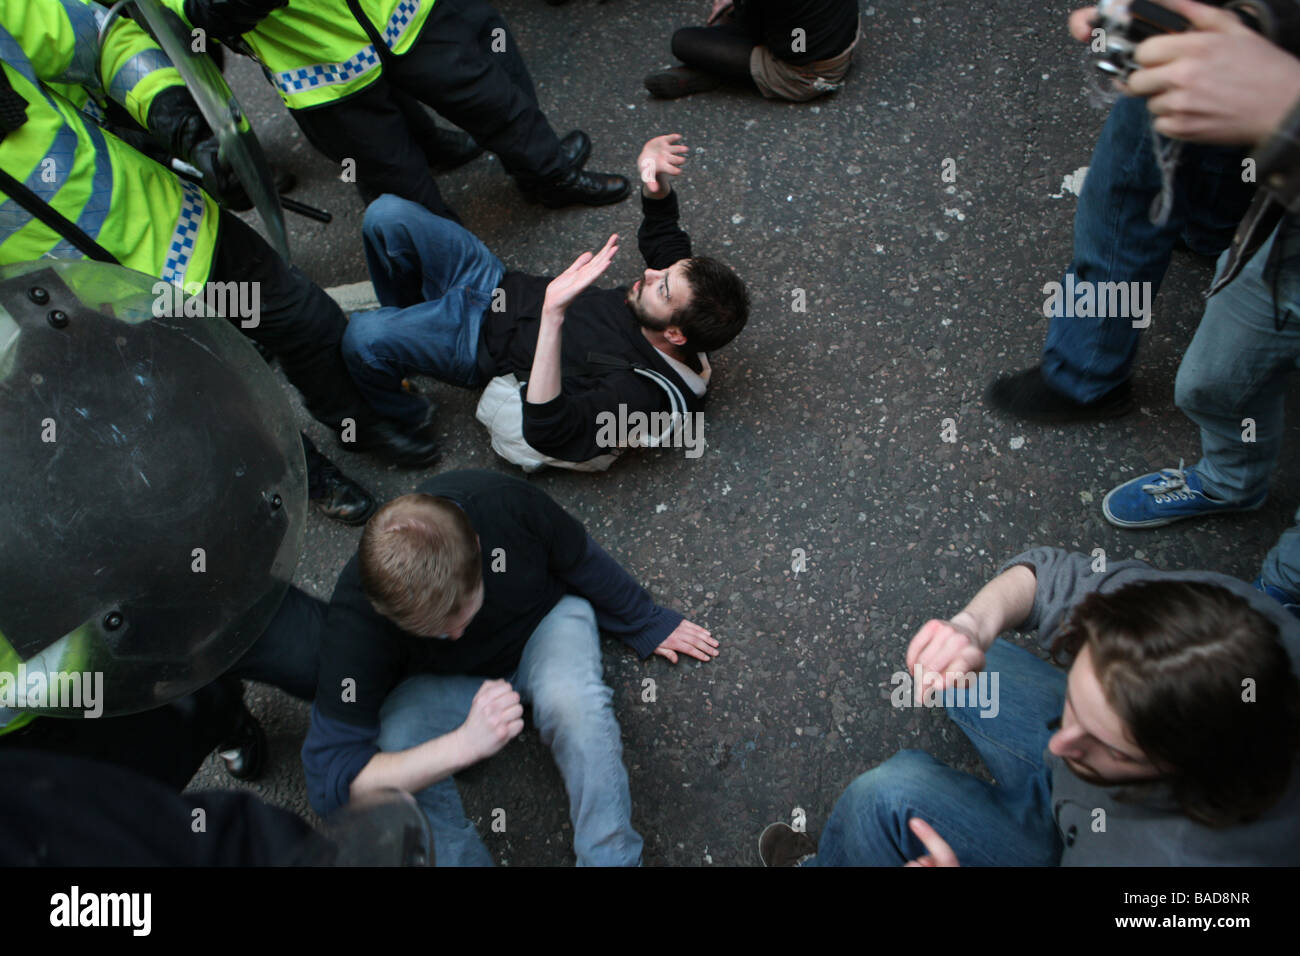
(1126, 23)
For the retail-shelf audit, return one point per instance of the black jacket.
(607, 361)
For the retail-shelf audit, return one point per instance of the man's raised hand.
(496, 716)
(689, 639)
(660, 158)
(943, 650)
(586, 269)
(720, 9)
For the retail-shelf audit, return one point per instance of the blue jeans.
(434, 280)
(1237, 368)
(1115, 240)
(560, 675)
(1007, 823)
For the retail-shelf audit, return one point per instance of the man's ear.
(675, 335)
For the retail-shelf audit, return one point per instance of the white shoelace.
(1172, 485)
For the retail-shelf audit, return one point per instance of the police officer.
(56, 76)
(348, 70)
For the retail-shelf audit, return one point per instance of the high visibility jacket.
(317, 51)
(144, 214)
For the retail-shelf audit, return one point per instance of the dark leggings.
(722, 50)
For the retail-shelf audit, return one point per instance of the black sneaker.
(680, 81)
(782, 845)
(244, 752)
(1027, 395)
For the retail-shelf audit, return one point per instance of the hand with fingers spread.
(941, 652)
(585, 270)
(496, 717)
(689, 639)
(940, 853)
(661, 158)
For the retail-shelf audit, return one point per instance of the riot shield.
(153, 489)
(239, 146)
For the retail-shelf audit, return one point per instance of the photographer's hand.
(1220, 82)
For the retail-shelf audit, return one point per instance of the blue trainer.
(1164, 497)
(1285, 598)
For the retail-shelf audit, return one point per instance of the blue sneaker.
(1288, 600)
(1164, 497)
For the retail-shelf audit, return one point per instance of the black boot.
(333, 493)
(450, 149)
(580, 186)
(244, 751)
(574, 149)
(1028, 395)
(400, 445)
(680, 81)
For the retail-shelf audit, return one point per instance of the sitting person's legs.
(435, 280)
(1006, 823)
(561, 675)
(419, 709)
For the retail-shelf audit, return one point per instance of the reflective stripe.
(134, 70)
(365, 60)
(95, 212)
(676, 402)
(81, 69)
(15, 57)
(62, 151)
(183, 237)
(328, 74)
(399, 21)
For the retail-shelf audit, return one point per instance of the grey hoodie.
(1152, 832)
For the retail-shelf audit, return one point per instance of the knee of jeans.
(382, 214)
(895, 781)
(569, 701)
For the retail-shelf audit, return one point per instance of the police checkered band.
(326, 74)
(186, 234)
(400, 20)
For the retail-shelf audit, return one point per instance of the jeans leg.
(1282, 564)
(560, 674)
(288, 652)
(1114, 241)
(1010, 732)
(985, 824)
(1235, 373)
(414, 257)
(422, 708)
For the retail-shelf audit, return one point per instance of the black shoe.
(680, 81)
(405, 447)
(244, 752)
(580, 186)
(1027, 395)
(782, 845)
(574, 149)
(450, 149)
(334, 494)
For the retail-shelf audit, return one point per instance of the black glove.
(227, 19)
(175, 120)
